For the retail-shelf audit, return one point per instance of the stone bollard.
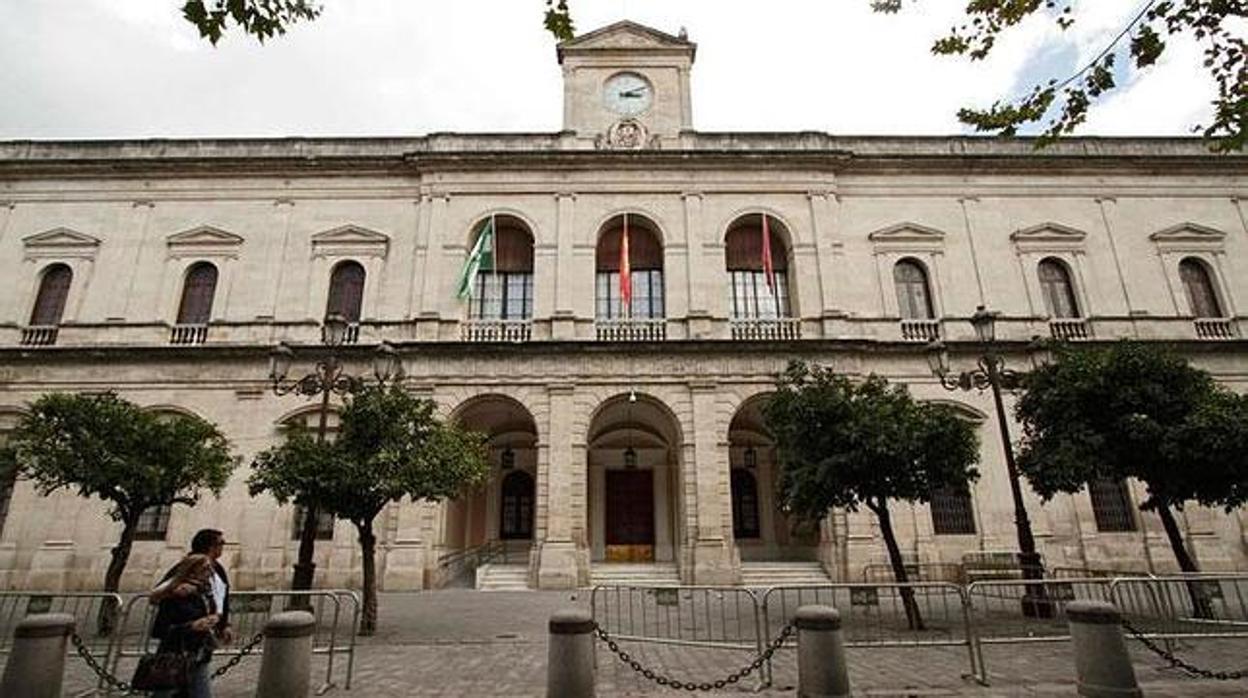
(821, 667)
(1102, 663)
(570, 658)
(286, 669)
(36, 664)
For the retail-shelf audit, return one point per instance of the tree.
(1134, 411)
(845, 444)
(390, 445)
(104, 446)
(1064, 104)
(260, 18)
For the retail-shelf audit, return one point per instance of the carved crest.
(625, 134)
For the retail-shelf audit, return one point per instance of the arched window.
(53, 290)
(752, 297)
(1201, 297)
(197, 292)
(346, 291)
(1059, 292)
(645, 259)
(504, 291)
(914, 299)
(517, 509)
(744, 504)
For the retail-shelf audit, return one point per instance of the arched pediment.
(204, 241)
(60, 242)
(962, 410)
(350, 241)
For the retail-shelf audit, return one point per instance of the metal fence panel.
(725, 617)
(1184, 606)
(97, 615)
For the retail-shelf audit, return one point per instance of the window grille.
(153, 523)
(324, 524)
(952, 512)
(1111, 505)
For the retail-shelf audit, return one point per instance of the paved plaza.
(467, 643)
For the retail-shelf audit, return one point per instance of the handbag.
(162, 671)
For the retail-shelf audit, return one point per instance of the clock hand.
(631, 93)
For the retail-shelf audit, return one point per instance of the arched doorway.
(500, 516)
(762, 531)
(634, 478)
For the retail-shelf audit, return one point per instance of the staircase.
(658, 574)
(772, 574)
(499, 577)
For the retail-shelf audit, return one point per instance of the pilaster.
(712, 551)
(557, 565)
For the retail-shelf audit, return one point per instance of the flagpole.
(494, 263)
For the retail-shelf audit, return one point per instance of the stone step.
(494, 577)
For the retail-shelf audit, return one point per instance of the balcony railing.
(636, 330)
(39, 335)
(188, 334)
(496, 330)
(758, 329)
(920, 330)
(1214, 328)
(1069, 329)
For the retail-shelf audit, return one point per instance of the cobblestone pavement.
(465, 643)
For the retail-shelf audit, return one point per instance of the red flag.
(626, 273)
(769, 271)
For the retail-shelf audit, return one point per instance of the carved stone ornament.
(625, 134)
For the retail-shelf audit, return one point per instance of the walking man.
(210, 542)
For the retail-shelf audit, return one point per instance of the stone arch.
(635, 213)
(513, 217)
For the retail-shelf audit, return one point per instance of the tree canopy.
(390, 445)
(1134, 411)
(101, 445)
(842, 443)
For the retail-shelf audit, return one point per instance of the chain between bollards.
(81, 648)
(1179, 663)
(663, 680)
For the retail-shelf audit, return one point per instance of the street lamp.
(327, 378)
(992, 373)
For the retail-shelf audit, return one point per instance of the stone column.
(1102, 664)
(563, 324)
(557, 567)
(697, 267)
(822, 671)
(825, 212)
(570, 655)
(286, 666)
(36, 666)
(712, 555)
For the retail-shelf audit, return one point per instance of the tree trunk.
(305, 568)
(368, 546)
(913, 617)
(118, 558)
(1201, 605)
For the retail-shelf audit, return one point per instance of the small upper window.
(53, 291)
(914, 298)
(1199, 287)
(197, 293)
(346, 291)
(1059, 292)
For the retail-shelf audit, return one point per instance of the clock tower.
(626, 86)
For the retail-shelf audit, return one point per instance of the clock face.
(627, 94)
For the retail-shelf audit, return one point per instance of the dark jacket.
(224, 622)
(172, 625)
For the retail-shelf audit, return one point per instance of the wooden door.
(630, 516)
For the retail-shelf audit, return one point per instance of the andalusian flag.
(769, 270)
(482, 255)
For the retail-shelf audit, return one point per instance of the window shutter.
(53, 290)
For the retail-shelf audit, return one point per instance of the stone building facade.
(168, 270)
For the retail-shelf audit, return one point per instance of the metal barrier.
(874, 615)
(882, 573)
(1184, 606)
(97, 615)
(998, 617)
(723, 617)
(334, 631)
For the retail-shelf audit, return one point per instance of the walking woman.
(185, 620)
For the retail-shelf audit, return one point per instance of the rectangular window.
(153, 523)
(1111, 505)
(647, 295)
(502, 296)
(952, 512)
(754, 299)
(324, 524)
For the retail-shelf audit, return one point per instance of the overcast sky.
(135, 68)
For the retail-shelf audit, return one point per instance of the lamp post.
(327, 378)
(992, 373)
